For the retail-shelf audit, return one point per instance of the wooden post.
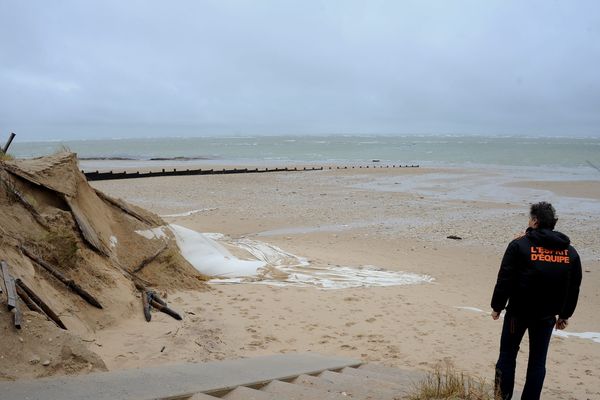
(7, 145)
(17, 313)
(10, 286)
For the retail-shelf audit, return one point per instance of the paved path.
(173, 381)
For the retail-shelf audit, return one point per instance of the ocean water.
(423, 150)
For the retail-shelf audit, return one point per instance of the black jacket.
(539, 276)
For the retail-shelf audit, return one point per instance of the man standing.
(539, 277)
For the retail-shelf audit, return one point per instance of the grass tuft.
(11, 191)
(446, 383)
(63, 246)
(6, 157)
(63, 148)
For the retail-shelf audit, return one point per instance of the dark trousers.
(540, 331)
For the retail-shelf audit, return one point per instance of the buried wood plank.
(70, 283)
(149, 259)
(32, 305)
(88, 232)
(120, 204)
(49, 312)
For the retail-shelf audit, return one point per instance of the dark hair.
(545, 215)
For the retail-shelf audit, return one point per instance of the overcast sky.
(103, 69)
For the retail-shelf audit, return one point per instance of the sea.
(334, 149)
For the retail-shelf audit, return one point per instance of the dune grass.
(5, 156)
(445, 382)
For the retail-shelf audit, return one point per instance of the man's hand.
(561, 324)
(495, 315)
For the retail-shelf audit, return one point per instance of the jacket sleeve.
(506, 277)
(572, 290)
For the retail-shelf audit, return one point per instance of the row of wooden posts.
(100, 176)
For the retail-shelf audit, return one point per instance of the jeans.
(540, 331)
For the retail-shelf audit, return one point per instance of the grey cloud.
(147, 68)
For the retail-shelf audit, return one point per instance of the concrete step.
(290, 391)
(355, 389)
(174, 381)
(245, 393)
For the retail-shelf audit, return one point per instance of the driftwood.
(9, 283)
(146, 304)
(454, 237)
(165, 309)
(151, 299)
(125, 208)
(156, 297)
(28, 302)
(51, 314)
(139, 285)
(68, 282)
(149, 259)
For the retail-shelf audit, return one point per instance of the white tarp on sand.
(268, 264)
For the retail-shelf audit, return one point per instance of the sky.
(145, 68)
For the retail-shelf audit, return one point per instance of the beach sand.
(396, 219)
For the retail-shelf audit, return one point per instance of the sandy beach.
(391, 219)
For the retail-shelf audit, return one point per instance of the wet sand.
(395, 219)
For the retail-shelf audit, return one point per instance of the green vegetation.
(448, 384)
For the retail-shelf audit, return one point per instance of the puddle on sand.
(595, 336)
(268, 264)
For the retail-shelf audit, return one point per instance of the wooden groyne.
(103, 176)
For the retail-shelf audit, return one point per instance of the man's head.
(542, 216)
